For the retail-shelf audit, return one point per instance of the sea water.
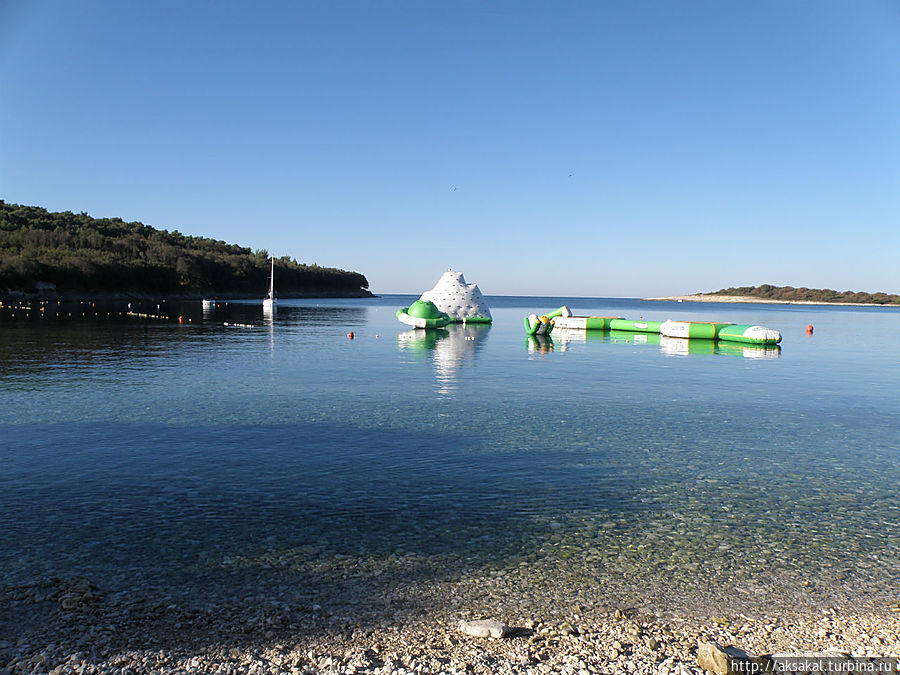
(233, 448)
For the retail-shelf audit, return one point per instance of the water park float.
(423, 314)
(451, 300)
(565, 338)
(703, 330)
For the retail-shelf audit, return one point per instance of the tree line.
(771, 292)
(75, 252)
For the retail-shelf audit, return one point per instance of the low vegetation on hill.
(67, 252)
(809, 294)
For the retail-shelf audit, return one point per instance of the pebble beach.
(362, 622)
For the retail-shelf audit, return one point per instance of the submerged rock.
(484, 628)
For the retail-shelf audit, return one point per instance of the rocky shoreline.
(574, 604)
(72, 626)
(751, 299)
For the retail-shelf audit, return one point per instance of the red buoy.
(350, 335)
(809, 329)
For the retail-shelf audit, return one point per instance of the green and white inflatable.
(753, 335)
(702, 330)
(639, 326)
(423, 314)
(451, 300)
(543, 325)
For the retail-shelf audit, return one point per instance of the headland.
(68, 256)
(750, 299)
(768, 293)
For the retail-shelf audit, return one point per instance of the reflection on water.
(538, 344)
(447, 348)
(685, 347)
(106, 340)
(291, 315)
(670, 346)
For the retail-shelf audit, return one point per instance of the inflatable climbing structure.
(451, 300)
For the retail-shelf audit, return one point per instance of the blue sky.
(553, 148)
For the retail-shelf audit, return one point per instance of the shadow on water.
(282, 530)
(240, 535)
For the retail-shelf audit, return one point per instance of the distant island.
(69, 255)
(789, 294)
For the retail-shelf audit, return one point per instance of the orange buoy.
(180, 319)
(809, 329)
(350, 335)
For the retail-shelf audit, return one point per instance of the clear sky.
(552, 148)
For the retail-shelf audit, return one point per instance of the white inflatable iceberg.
(461, 302)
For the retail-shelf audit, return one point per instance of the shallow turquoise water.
(145, 451)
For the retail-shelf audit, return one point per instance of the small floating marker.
(809, 329)
(180, 319)
(350, 335)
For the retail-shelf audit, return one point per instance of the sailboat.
(269, 300)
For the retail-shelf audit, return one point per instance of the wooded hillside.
(68, 252)
(809, 294)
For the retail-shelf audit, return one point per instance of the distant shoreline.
(767, 301)
(136, 296)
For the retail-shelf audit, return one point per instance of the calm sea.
(146, 452)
